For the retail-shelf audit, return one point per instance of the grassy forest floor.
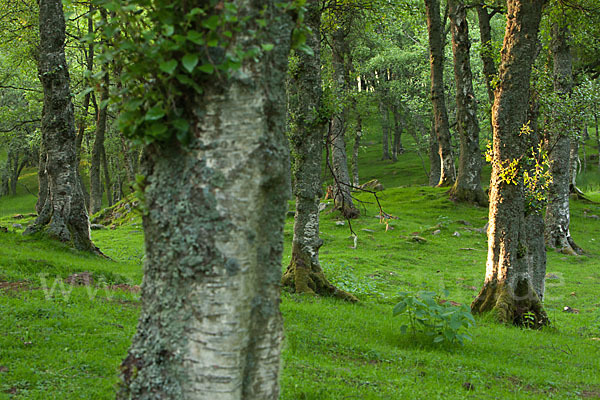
(69, 346)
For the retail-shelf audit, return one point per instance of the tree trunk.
(107, 181)
(356, 148)
(574, 165)
(98, 149)
(467, 187)
(337, 129)
(385, 129)
(397, 148)
(442, 130)
(558, 144)
(304, 273)
(63, 214)
(210, 326)
(86, 105)
(434, 158)
(508, 288)
(487, 50)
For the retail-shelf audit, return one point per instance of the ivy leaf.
(168, 66)
(155, 113)
(168, 30)
(195, 37)
(189, 62)
(211, 22)
(207, 68)
(267, 46)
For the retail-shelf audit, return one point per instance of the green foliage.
(441, 321)
(169, 51)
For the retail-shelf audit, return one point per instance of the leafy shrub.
(441, 321)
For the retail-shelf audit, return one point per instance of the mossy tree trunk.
(508, 288)
(304, 273)
(438, 98)
(61, 207)
(467, 187)
(559, 146)
(337, 127)
(210, 326)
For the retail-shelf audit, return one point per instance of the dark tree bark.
(304, 273)
(98, 149)
(467, 187)
(210, 326)
(337, 129)
(442, 130)
(559, 147)
(62, 215)
(508, 288)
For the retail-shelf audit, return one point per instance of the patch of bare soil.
(19, 285)
(126, 288)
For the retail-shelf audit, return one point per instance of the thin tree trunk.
(86, 105)
(304, 273)
(597, 133)
(356, 148)
(98, 149)
(508, 288)
(337, 129)
(210, 326)
(467, 187)
(434, 158)
(62, 215)
(397, 148)
(559, 146)
(442, 130)
(385, 129)
(485, 32)
(107, 181)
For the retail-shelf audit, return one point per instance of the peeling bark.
(508, 287)
(442, 130)
(210, 326)
(62, 214)
(467, 187)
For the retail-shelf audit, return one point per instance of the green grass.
(70, 348)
